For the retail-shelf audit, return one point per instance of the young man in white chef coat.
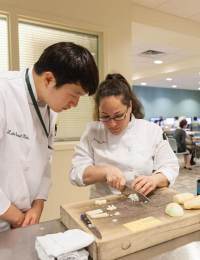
(28, 102)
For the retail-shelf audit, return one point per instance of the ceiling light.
(198, 88)
(157, 61)
(174, 86)
(169, 79)
(143, 83)
(136, 77)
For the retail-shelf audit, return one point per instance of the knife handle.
(85, 219)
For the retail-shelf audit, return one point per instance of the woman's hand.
(114, 177)
(32, 216)
(145, 184)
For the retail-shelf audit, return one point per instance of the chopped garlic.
(101, 215)
(100, 202)
(134, 197)
(111, 207)
(114, 220)
(117, 213)
(94, 212)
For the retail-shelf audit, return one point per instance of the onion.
(174, 210)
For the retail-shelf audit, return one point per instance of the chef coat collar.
(131, 122)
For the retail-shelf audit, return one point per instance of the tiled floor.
(187, 179)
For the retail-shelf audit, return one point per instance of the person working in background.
(121, 147)
(63, 73)
(176, 122)
(180, 136)
(195, 125)
(190, 146)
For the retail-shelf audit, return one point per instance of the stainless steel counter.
(18, 244)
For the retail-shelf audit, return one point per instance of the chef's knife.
(127, 191)
(90, 225)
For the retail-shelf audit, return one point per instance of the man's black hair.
(69, 63)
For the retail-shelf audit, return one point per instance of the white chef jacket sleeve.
(4, 201)
(165, 161)
(2, 117)
(83, 157)
(46, 178)
(45, 183)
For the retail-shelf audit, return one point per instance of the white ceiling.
(181, 60)
(182, 8)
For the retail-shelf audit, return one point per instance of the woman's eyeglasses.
(118, 117)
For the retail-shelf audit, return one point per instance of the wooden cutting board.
(137, 227)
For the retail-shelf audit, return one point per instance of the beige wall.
(106, 17)
(62, 191)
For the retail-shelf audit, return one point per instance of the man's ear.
(49, 79)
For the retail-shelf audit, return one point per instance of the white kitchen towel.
(75, 255)
(56, 245)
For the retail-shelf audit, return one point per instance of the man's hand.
(114, 177)
(14, 216)
(32, 216)
(145, 184)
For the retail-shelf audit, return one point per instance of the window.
(4, 64)
(33, 39)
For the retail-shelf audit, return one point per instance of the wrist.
(160, 180)
(105, 172)
(13, 215)
(38, 204)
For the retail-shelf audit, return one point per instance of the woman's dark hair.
(117, 85)
(183, 123)
(69, 63)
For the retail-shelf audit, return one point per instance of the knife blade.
(90, 225)
(142, 198)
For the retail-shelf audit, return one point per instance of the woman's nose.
(112, 122)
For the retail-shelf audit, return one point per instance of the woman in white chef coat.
(64, 72)
(121, 147)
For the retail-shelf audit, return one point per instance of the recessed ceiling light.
(136, 77)
(158, 61)
(198, 88)
(174, 86)
(143, 83)
(169, 79)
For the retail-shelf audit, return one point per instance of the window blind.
(33, 39)
(4, 59)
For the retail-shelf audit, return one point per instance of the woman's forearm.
(161, 180)
(93, 174)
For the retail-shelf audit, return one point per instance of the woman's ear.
(131, 106)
